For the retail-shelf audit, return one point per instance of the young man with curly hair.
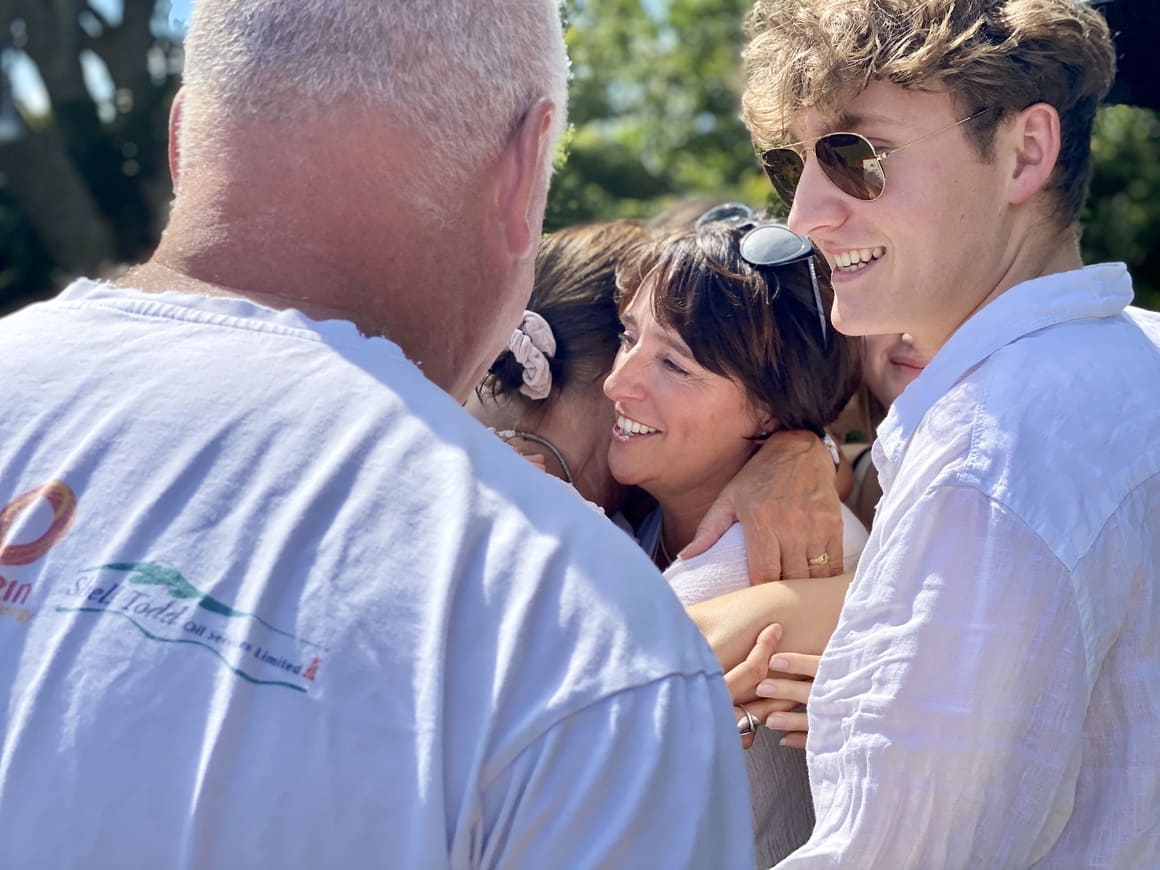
(989, 696)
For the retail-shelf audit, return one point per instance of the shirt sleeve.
(947, 715)
(650, 777)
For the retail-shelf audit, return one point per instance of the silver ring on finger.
(748, 724)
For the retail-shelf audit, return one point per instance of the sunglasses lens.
(773, 245)
(784, 168)
(732, 213)
(850, 163)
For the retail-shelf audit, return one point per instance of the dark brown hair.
(575, 292)
(756, 325)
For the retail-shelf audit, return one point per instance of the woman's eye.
(626, 340)
(674, 367)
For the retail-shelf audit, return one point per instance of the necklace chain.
(663, 550)
(508, 434)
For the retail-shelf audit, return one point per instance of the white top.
(778, 780)
(724, 567)
(989, 698)
(277, 601)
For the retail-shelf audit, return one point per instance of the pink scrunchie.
(532, 345)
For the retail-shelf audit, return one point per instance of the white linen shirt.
(991, 695)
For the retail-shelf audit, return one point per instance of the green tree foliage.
(1122, 219)
(83, 185)
(655, 104)
(654, 120)
(654, 108)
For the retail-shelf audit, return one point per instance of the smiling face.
(681, 431)
(889, 364)
(935, 245)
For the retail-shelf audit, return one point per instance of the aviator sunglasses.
(768, 245)
(848, 160)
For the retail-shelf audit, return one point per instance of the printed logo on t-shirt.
(152, 600)
(158, 602)
(29, 526)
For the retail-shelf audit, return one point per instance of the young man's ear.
(175, 111)
(522, 185)
(1034, 137)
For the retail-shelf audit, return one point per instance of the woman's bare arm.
(807, 611)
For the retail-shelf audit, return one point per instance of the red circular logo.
(64, 506)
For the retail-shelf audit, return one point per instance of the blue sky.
(179, 11)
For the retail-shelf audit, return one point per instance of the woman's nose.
(622, 382)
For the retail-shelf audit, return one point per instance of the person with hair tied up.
(279, 601)
(543, 393)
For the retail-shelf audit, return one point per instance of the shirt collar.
(1102, 290)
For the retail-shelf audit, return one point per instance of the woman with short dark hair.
(726, 340)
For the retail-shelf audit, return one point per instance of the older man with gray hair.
(269, 597)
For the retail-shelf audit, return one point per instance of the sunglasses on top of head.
(848, 160)
(768, 245)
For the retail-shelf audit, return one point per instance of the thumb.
(713, 525)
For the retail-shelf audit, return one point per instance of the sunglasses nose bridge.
(848, 161)
(819, 205)
(816, 180)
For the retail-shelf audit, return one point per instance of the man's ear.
(521, 183)
(1034, 138)
(175, 111)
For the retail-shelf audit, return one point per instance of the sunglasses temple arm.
(818, 305)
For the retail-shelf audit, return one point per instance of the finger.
(763, 708)
(787, 722)
(747, 725)
(793, 562)
(795, 663)
(818, 558)
(794, 740)
(837, 556)
(763, 552)
(797, 691)
(720, 516)
(741, 679)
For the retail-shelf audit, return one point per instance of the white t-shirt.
(268, 598)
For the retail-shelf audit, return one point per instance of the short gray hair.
(461, 73)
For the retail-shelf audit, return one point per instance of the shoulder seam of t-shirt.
(500, 765)
(333, 333)
(149, 310)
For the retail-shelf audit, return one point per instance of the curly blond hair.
(1007, 54)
